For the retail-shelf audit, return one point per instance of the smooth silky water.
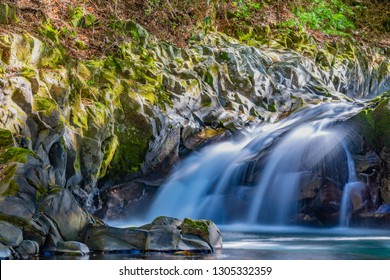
(250, 189)
(278, 243)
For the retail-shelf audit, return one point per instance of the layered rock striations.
(72, 132)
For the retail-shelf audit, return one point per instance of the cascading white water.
(352, 185)
(258, 179)
(302, 150)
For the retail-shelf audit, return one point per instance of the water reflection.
(277, 243)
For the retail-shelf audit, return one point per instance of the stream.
(252, 189)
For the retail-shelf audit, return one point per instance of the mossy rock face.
(51, 57)
(192, 226)
(7, 14)
(72, 221)
(375, 124)
(6, 139)
(13, 154)
(205, 229)
(134, 132)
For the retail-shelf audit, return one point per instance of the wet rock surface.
(72, 134)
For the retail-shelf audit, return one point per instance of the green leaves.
(49, 32)
(245, 8)
(80, 18)
(330, 17)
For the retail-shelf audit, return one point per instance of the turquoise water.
(301, 244)
(281, 243)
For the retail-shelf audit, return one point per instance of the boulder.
(204, 229)
(5, 252)
(383, 209)
(105, 238)
(37, 229)
(69, 217)
(164, 234)
(326, 204)
(10, 235)
(367, 162)
(190, 242)
(72, 248)
(27, 249)
(125, 200)
(171, 234)
(163, 238)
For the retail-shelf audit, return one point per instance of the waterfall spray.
(259, 179)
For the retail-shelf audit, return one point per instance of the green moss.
(366, 122)
(80, 45)
(272, 108)
(6, 139)
(8, 14)
(137, 32)
(195, 225)
(83, 70)
(28, 72)
(134, 133)
(79, 17)
(78, 115)
(97, 115)
(47, 30)
(381, 116)
(7, 184)
(51, 57)
(109, 151)
(245, 34)
(224, 56)
(374, 124)
(44, 105)
(2, 69)
(76, 14)
(163, 98)
(209, 79)
(12, 189)
(88, 21)
(16, 155)
(130, 153)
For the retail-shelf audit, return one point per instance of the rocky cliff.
(73, 131)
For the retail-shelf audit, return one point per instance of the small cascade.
(352, 186)
(259, 179)
(303, 151)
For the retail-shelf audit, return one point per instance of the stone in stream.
(27, 249)
(204, 229)
(5, 252)
(164, 234)
(72, 248)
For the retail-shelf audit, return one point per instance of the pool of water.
(306, 245)
(243, 242)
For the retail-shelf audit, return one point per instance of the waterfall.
(302, 151)
(259, 179)
(352, 185)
